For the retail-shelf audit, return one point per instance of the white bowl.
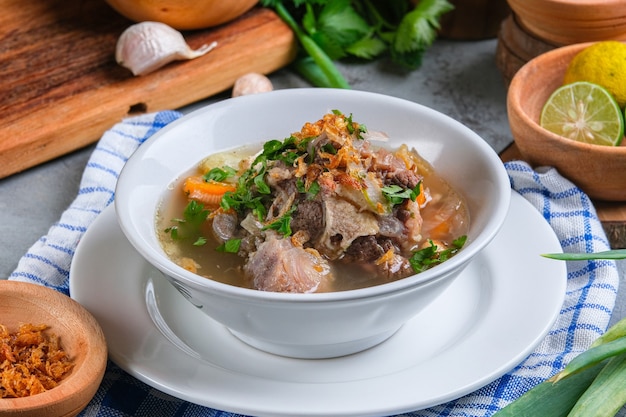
(318, 325)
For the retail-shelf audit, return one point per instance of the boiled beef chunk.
(364, 249)
(278, 265)
(308, 218)
(225, 225)
(393, 266)
(394, 168)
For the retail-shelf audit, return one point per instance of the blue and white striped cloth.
(591, 288)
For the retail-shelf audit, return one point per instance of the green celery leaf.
(341, 23)
(333, 49)
(417, 31)
(368, 47)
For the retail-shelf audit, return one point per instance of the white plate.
(487, 322)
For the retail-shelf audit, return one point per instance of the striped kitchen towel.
(591, 286)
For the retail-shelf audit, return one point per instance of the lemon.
(603, 63)
(585, 112)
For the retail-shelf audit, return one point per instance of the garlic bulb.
(147, 46)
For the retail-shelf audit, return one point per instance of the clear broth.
(228, 268)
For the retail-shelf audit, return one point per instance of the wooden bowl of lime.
(588, 149)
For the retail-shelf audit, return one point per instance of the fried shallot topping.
(31, 361)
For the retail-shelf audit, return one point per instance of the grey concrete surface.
(457, 78)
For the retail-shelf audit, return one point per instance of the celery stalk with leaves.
(331, 30)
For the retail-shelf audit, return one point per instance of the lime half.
(584, 112)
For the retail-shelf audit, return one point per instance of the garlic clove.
(251, 83)
(147, 46)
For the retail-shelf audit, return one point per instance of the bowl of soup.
(312, 223)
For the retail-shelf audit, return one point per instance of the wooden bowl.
(183, 14)
(596, 169)
(567, 22)
(473, 19)
(80, 336)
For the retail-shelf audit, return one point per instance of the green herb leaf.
(283, 224)
(230, 246)
(188, 227)
(430, 256)
(337, 26)
(366, 29)
(397, 195)
(311, 192)
(261, 185)
(332, 75)
(368, 47)
(220, 174)
(417, 31)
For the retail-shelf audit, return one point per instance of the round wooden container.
(538, 26)
(183, 14)
(516, 47)
(80, 336)
(572, 21)
(594, 168)
(473, 19)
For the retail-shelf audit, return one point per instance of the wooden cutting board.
(60, 87)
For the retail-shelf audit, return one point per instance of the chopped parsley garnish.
(361, 128)
(189, 226)
(243, 199)
(329, 148)
(350, 125)
(283, 224)
(253, 192)
(430, 256)
(219, 174)
(230, 246)
(311, 192)
(396, 194)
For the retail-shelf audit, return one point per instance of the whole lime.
(603, 63)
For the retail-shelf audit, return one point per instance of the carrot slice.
(209, 193)
(421, 197)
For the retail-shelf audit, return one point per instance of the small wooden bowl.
(567, 22)
(473, 19)
(183, 14)
(596, 169)
(80, 336)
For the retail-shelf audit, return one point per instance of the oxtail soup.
(329, 208)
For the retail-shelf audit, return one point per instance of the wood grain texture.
(516, 47)
(567, 22)
(60, 87)
(612, 215)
